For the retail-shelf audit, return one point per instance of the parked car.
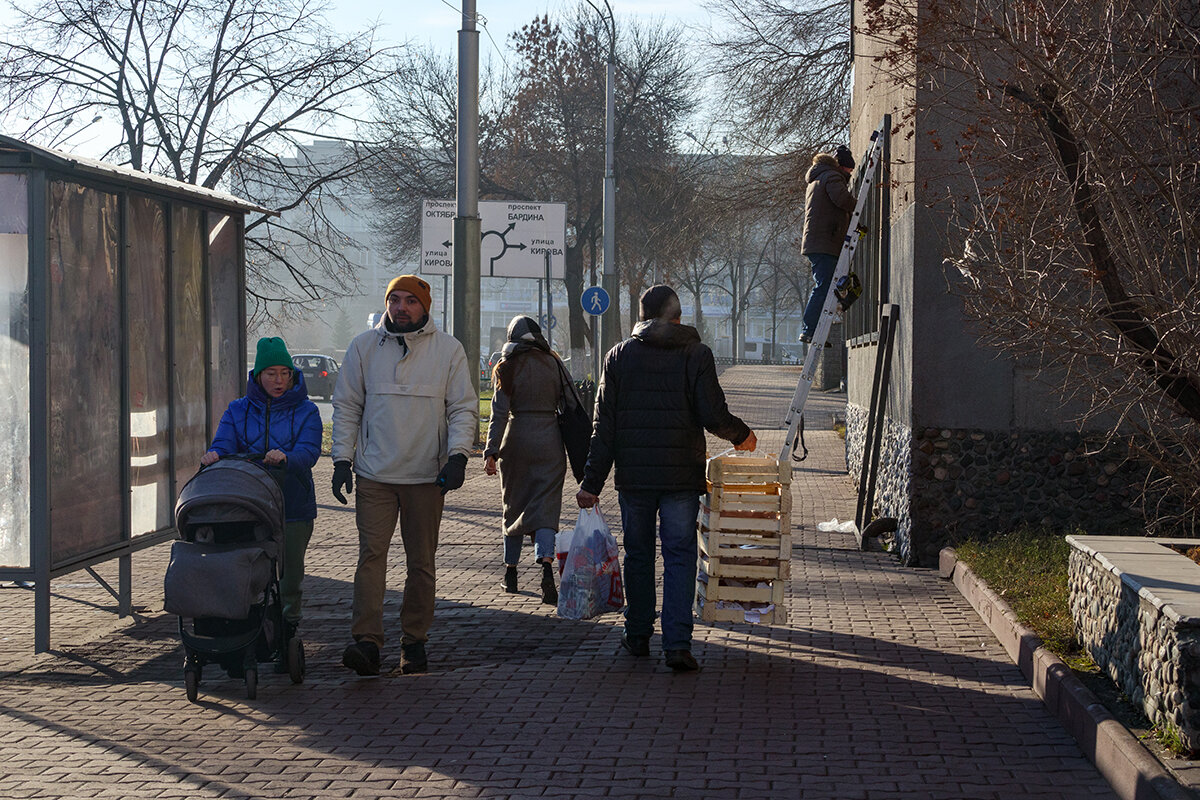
(320, 373)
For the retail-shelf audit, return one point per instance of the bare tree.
(542, 129)
(784, 69)
(1073, 207)
(218, 93)
(417, 117)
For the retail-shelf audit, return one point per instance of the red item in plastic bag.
(591, 574)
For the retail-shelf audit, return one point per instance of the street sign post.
(514, 238)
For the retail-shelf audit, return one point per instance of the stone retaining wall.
(943, 483)
(1127, 613)
(894, 484)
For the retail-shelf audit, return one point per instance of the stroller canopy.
(232, 491)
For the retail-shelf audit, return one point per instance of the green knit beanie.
(272, 352)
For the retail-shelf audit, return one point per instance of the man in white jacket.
(405, 418)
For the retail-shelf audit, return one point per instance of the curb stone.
(1132, 771)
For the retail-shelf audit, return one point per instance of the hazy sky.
(436, 22)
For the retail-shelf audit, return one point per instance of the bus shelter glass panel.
(151, 503)
(84, 335)
(224, 316)
(14, 370)
(188, 306)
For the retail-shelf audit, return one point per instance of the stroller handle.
(243, 457)
(276, 471)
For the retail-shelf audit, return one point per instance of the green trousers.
(295, 542)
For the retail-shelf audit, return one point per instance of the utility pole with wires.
(466, 221)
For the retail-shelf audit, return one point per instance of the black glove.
(452, 475)
(343, 478)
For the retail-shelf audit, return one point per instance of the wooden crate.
(745, 541)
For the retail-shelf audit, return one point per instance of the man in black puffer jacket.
(658, 394)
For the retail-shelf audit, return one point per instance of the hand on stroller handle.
(271, 458)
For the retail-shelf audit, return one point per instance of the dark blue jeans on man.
(823, 266)
(673, 514)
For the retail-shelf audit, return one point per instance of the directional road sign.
(514, 238)
(594, 300)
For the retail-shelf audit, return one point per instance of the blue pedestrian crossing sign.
(594, 300)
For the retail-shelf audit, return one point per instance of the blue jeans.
(676, 513)
(823, 266)
(543, 546)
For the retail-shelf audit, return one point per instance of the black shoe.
(412, 658)
(636, 645)
(549, 593)
(362, 657)
(510, 580)
(681, 661)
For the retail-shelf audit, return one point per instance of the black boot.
(510, 580)
(549, 593)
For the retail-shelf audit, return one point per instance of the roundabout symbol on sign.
(594, 300)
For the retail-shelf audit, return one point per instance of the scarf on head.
(524, 334)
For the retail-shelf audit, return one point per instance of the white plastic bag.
(562, 546)
(837, 527)
(591, 576)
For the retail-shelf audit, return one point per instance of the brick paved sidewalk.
(884, 684)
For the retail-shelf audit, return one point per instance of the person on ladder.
(828, 204)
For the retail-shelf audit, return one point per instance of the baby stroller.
(223, 577)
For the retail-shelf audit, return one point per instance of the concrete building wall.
(972, 442)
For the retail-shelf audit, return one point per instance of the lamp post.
(64, 137)
(609, 327)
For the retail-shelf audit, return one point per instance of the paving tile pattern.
(884, 684)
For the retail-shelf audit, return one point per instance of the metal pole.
(40, 549)
(612, 325)
(549, 304)
(466, 222)
(736, 318)
(595, 322)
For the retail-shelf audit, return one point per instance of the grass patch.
(1028, 568)
(485, 405)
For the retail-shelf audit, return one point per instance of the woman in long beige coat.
(523, 437)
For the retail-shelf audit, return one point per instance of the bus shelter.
(122, 340)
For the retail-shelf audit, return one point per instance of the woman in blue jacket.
(277, 418)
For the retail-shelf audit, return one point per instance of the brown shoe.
(362, 657)
(681, 661)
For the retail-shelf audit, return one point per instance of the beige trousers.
(377, 507)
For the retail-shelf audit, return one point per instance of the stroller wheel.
(252, 683)
(295, 659)
(191, 682)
